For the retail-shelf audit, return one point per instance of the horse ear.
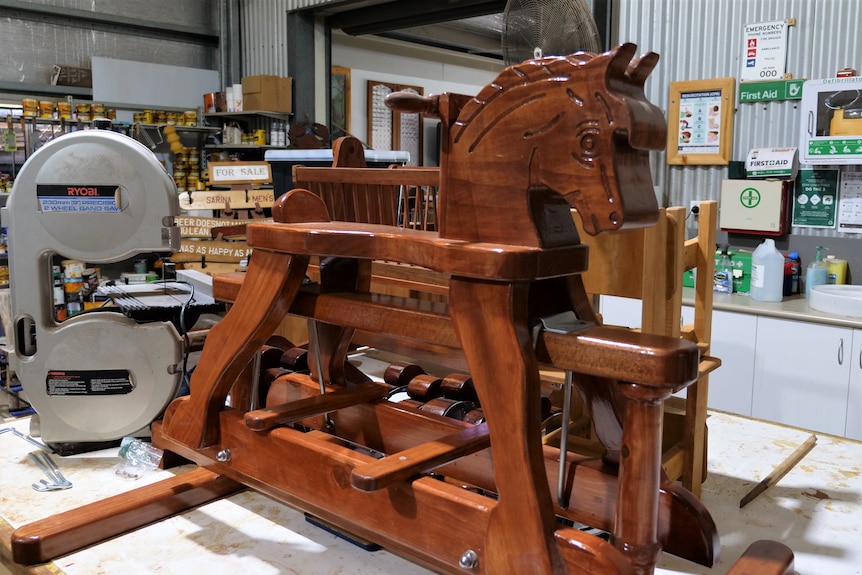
(641, 68)
(621, 57)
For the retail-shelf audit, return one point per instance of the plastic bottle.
(767, 272)
(817, 272)
(273, 133)
(282, 134)
(723, 278)
(795, 281)
(836, 270)
(788, 277)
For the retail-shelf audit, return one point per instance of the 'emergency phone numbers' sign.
(765, 50)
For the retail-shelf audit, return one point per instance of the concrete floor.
(816, 509)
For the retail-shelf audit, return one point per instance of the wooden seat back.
(396, 196)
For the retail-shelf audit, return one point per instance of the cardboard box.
(741, 261)
(267, 94)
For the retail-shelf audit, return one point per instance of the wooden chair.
(655, 259)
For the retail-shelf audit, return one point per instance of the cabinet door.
(853, 428)
(733, 339)
(801, 374)
(621, 311)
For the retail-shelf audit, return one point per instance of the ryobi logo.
(749, 198)
(85, 191)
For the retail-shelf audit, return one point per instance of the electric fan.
(537, 28)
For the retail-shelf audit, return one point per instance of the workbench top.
(816, 509)
(793, 307)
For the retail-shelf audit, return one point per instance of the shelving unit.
(250, 114)
(252, 120)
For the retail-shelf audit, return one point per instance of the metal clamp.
(49, 468)
(566, 322)
(26, 438)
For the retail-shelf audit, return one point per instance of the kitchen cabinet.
(733, 341)
(731, 386)
(801, 374)
(621, 311)
(853, 427)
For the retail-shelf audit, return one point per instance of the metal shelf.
(243, 147)
(45, 89)
(250, 114)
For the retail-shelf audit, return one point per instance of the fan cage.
(536, 28)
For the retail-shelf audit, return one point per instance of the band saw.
(99, 197)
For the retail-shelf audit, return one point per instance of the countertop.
(816, 509)
(792, 307)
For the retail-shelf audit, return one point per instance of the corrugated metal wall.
(29, 48)
(299, 4)
(264, 35)
(702, 39)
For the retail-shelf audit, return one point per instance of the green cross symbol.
(749, 197)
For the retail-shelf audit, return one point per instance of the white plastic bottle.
(767, 272)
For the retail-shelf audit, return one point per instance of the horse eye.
(589, 142)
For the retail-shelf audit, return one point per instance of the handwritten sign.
(220, 200)
(196, 227)
(240, 172)
(212, 251)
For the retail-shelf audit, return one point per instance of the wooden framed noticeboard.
(700, 122)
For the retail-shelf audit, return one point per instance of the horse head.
(572, 130)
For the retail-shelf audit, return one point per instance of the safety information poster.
(850, 203)
(815, 199)
(699, 122)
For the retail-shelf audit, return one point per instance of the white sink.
(837, 299)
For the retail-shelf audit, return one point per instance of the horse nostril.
(614, 217)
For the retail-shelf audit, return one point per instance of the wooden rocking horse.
(547, 135)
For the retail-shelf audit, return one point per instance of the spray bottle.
(817, 272)
(796, 280)
(723, 278)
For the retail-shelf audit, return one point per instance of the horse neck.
(500, 207)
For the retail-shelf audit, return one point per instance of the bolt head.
(469, 560)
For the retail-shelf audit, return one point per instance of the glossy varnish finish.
(546, 135)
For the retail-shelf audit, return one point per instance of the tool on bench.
(46, 464)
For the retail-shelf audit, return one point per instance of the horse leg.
(491, 321)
